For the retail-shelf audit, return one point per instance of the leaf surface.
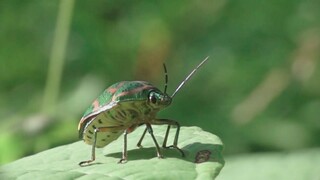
(203, 159)
(296, 165)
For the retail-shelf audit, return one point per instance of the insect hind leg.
(143, 134)
(93, 151)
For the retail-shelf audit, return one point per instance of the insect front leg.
(93, 150)
(143, 134)
(150, 130)
(170, 122)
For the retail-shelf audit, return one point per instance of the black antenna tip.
(166, 78)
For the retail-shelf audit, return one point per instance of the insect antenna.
(188, 77)
(166, 78)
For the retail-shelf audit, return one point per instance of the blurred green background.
(259, 91)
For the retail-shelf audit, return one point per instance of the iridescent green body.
(123, 106)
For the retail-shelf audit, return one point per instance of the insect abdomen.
(123, 116)
(103, 137)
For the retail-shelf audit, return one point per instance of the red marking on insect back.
(92, 115)
(132, 91)
(202, 156)
(95, 105)
(112, 90)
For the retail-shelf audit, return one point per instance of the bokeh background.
(259, 91)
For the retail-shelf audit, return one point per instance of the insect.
(123, 107)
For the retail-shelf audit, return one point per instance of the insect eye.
(153, 98)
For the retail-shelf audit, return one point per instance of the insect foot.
(122, 161)
(177, 148)
(160, 156)
(84, 163)
(139, 146)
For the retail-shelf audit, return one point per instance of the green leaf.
(303, 164)
(203, 159)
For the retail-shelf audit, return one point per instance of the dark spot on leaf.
(202, 156)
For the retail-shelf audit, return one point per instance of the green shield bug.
(123, 107)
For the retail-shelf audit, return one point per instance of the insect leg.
(93, 152)
(140, 141)
(149, 128)
(166, 137)
(124, 152)
(170, 122)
